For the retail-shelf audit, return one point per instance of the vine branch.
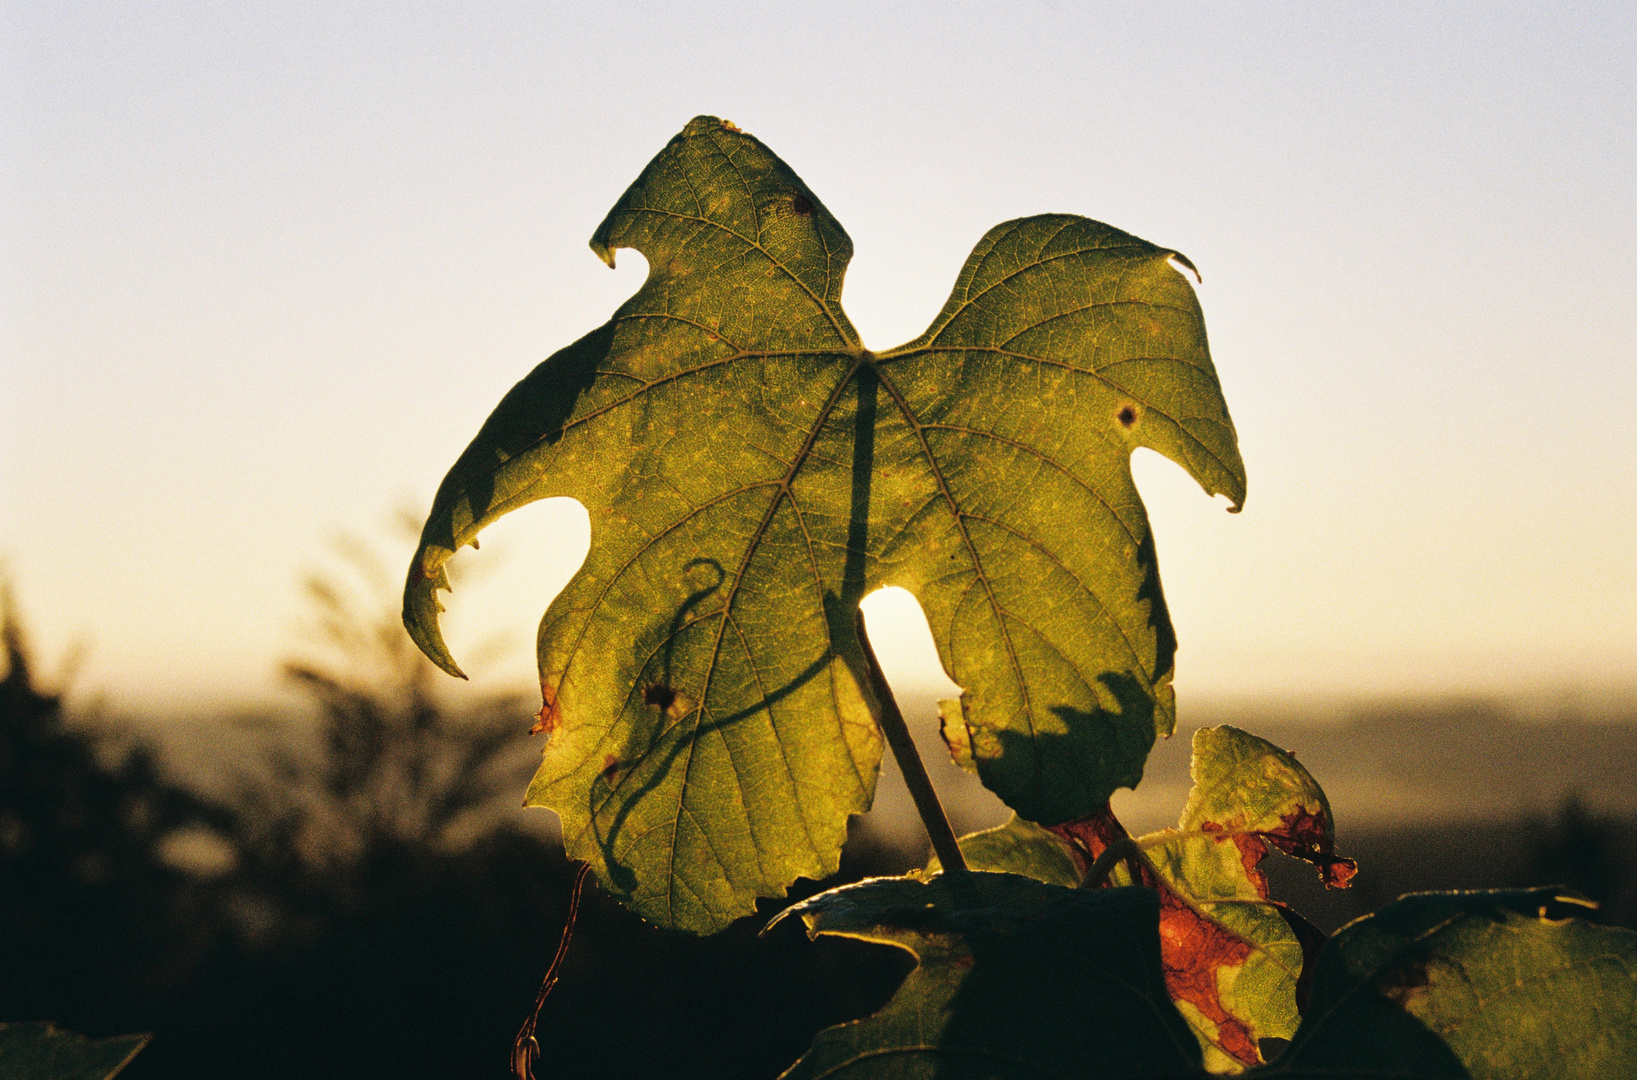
(524, 1048)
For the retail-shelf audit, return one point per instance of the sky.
(264, 270)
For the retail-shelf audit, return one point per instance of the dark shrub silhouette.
(96, 930)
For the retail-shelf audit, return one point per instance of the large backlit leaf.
(1486, 985)
(1015, 979)
(751, 472)
(39, 1051)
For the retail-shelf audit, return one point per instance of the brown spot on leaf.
(729, 125)
(611, 769)
(1402, 981)
(550, 717)
(1127, 416)
(1252, 850)
(1338, 872)
(801, 204)
(668, 700)
(1304, 835)
(1090, 836)
(1192, 950)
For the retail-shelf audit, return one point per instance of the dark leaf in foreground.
(1487, 985)
(38, 1051)
(1016, 979)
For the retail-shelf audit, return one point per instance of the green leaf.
(39, 1051)
(1487, 985)
(1016, 979)
(751, 472)
(1019, 847)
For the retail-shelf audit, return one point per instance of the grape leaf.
(751, 472)
(1019, 847)
(1016, 979)
(1487, 985)
(1234, 960)
(39, 1051)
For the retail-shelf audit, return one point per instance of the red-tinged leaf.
(1195, 950)
(1250, 792)
(1196, 945)
(1236, 963)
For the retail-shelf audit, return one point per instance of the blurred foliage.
(381, 909)
(94, 923)
(394, 772)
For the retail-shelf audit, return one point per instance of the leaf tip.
(705, 124)
(1182, 260)
(427, 575)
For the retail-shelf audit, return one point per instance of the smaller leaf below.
(1016, 979)
(1019, 847)
(1235, 960)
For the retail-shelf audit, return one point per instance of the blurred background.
(264, 271)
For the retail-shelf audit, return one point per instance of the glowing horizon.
(266, 272)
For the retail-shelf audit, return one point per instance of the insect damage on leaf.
(1302, 834)
(1255, 795)
(752, 472)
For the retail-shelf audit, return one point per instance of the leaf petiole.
(1116, 853)
(933, 818)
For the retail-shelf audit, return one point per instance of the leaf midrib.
(783, 492)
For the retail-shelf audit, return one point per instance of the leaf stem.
(1117, 852)
(933, 818)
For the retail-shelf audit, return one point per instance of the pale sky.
(264, 269)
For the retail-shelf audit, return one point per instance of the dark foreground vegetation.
(371, 914)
